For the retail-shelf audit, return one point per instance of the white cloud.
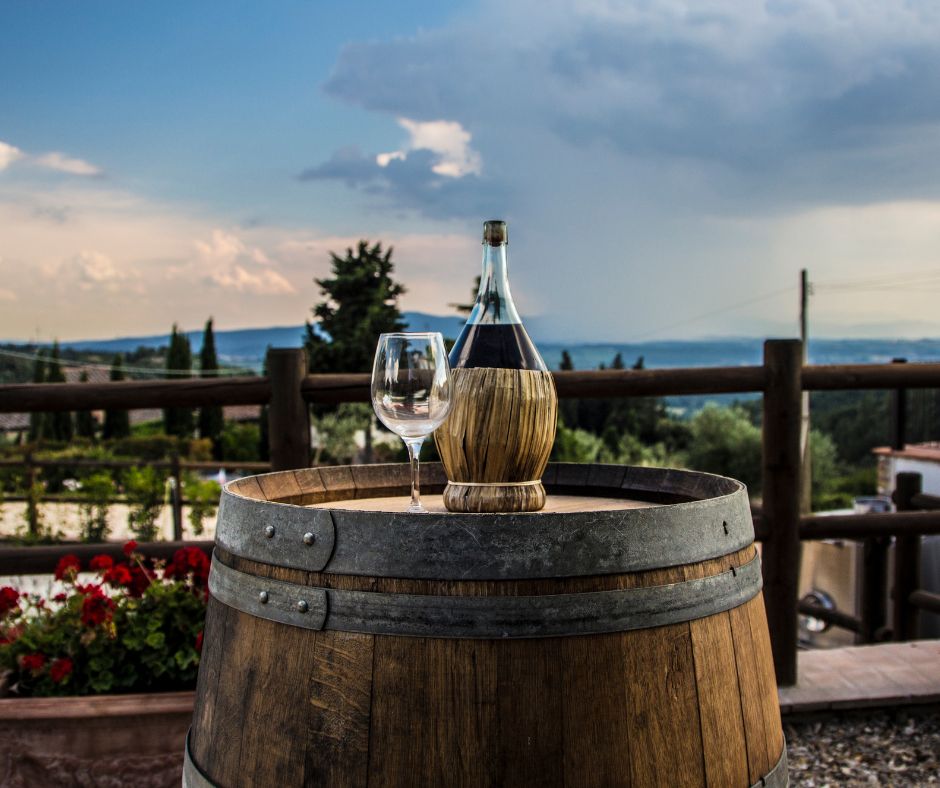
(446, 139)
(231, 264)
(62, 163)
(93, 269)
(58, 162)
(8, 155)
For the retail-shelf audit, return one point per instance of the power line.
(714, 312)
(136, 370)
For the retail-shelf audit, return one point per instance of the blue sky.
(667, 166)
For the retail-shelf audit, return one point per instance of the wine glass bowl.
(411, 392)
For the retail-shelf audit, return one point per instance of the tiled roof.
(912, 451)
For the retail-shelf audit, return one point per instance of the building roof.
(912, 451)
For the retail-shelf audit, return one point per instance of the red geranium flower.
(68, 567)
(9, 600)
(199, 642)
(60, 597)
(188, 561)
(141, 579)
(97, 609)
(100, 563)
(59, 669)
(130, 547)
(118, 575)
(33, 662)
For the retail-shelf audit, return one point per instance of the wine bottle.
(496, 441)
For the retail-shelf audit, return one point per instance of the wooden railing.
(782, 378)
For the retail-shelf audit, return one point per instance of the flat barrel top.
(601, 519)
(434, 503)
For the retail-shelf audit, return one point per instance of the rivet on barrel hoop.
(269, 531)
(263, 597)
(309, 538)
(302, 606)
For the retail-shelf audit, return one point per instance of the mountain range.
(247, 346)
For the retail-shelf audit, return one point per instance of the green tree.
(84, 419)
(179, 363)
(211, 420)
(361, 302)
(117, 423)
(60, 422)
(725, 441)
(37, 421)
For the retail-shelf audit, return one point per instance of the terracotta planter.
(97, 740)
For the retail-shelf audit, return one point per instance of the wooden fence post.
(32, 500)
(176, 488)
(873, 594)
(906, 560)
(898, 430)
(783, 359)
(288, 413)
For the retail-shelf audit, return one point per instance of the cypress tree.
(361, 303)
(117, 423)
(211, 419)
(179, 364)
(37, 421)
(60, 422)
(84, 420)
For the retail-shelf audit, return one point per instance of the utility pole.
(806, 475)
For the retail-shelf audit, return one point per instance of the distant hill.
(247, 347)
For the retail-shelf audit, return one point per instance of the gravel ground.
(901, 748)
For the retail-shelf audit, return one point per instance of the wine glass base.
(416, 508)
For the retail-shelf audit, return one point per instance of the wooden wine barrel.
(616, 638)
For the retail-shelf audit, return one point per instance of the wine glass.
(411, 391)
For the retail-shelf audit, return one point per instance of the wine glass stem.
(414, 452)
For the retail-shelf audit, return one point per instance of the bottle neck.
(494, 301)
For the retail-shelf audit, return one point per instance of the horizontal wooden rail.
(88, 462)
(925, 600)
(134, 394)
(834, 617)
(861, 526)
(926, 502)
(42, 559)
(829, 377)
(335, 388)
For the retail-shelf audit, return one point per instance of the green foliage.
(724, 441)
(211, 420)
(241, 442)
(179, 363)
(202, 496)
(336, 433)
(145, 491)
(117, 423)
(137, 628)
(98, 489)
(361, 302)
(574, 445)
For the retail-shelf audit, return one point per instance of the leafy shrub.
(241, 441)
(202, 495)
(144, 488)
(97, 490)
(137, 628)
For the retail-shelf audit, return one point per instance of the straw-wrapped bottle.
(497, 438)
